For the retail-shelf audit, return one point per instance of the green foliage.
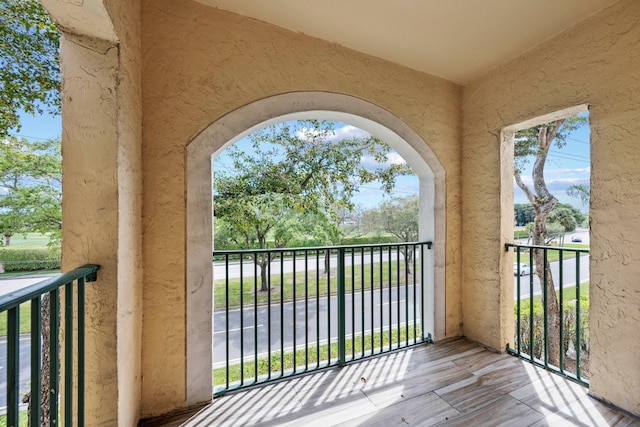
(29, 259)
(524, 214)
(569, 324)
(30, 187)
(294, 173)
(580, 191)
(398, 217)
(29, 63)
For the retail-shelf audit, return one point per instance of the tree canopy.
(29, 63)
(30, 187)
(294, 169)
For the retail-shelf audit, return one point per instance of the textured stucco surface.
(199, 64)
(102, 183)
(597, 63)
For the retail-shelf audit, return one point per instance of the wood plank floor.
(452, 384)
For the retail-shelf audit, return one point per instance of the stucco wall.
(102, 183)
(594, 63)
(199, 64)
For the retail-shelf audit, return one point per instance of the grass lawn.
(22, 419)
(29, 240)
(568, 296)
(25, 320)
(360, 276)
(384, 340)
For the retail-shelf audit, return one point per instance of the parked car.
(576, 239)
(522, 270)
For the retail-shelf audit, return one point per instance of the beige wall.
(102, 183)
(595, 63)
(201, 63)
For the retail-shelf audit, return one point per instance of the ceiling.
(458, 40)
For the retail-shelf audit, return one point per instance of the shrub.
(569, 327)
(28, 259)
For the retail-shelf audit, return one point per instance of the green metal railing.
(534, 338)
(47, 293)
(294, 317)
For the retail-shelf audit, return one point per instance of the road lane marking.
(237, 329)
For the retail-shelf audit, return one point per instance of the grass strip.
(381, 342)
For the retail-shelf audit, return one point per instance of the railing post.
(341, 309)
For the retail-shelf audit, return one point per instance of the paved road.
(315, 261)
(568, 274)
(312, 328)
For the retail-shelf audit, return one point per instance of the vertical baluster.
(306, 310)
(362, 291)
(255, 317)
(81, 349)
(389, 277)
(578, 320)
(241, 312)
(423, 303)
(545, 307)
(68, 354)
(353, 306)
(328, 268)
(13, 364)
(560, 308)
(317, 308)
(406, 294)
(295, 323)
(415, 300)
(373, 305)
(341, 308)
(226, 318)
(268, 254)
(518, 301)
(531, 342)
(398, 298)
(281, 314)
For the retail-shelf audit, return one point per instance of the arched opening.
(240, 123)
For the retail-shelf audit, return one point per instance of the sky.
(566, 166)
(370, 195)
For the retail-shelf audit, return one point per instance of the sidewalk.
(9, 284)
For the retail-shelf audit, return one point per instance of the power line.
(31, 137)
(581, 142)
(569, 155)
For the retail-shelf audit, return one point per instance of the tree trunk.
(7, 239)
(263, 263)
(45, 370)
(553, 310)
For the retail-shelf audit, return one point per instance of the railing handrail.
(28, 293)
(555, 248)
(317, 248)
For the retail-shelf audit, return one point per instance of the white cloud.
(345, 132)
(574, 171)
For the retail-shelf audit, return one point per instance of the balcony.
(452, 383)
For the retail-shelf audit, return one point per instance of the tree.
(29, 63)
(293, 169)
(30, 188)
(580, 191)
(524, 213)
(399, 217)
(535, 142)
